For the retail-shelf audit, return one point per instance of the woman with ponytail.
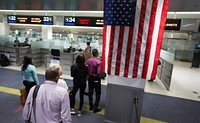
(29, 73)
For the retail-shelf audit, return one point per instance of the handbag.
(23, 95)
(33, 103)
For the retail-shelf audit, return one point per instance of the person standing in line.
(94, 68)
(88, 46)
(16, 42)
(61, 82)
(29, 73)
(52, 102)
(26, 42)
(86, 53)
(79, 72)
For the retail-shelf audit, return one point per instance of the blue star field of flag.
(119, 12)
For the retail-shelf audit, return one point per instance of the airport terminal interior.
(65, 26)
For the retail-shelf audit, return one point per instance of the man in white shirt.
(52, 103)
(61, 82)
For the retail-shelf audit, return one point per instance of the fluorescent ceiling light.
(28, 24)
(7, 10)
(78, 27)
(187, 12)
(73, 27)
(55, 13)
(100, 12)
(30, 11)
(59, 11)
(187, 25)
(171, 12)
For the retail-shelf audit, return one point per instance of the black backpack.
(4, 60)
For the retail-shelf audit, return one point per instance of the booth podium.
(124, 99)
(196, 58)
(55, 56)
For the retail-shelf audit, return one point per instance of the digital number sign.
(83, 21)
(173, 24)
(69, 21)
(11, 19)
(46, 20)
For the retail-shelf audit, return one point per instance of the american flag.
(132, 37)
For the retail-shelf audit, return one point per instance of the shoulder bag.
(33, 103)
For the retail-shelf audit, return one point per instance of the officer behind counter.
(18, 44)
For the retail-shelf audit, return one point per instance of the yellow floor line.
(149, 120)
(85, 107)
(9, 90)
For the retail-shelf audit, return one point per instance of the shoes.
(86, 93)
(96, 110)
(150, 80)
(73, 111)
(79, 113)
(91, 108)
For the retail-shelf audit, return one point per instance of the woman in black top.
(79, 72)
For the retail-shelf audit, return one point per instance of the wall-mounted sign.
(69, 21)
(83, 21)
(173, 24)
(46, 20)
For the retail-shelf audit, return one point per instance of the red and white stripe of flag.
(134, 51)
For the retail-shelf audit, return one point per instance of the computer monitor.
(55, 52)
(197, 46)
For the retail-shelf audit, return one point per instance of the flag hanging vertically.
(132, 37)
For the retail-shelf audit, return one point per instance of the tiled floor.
(185, 81)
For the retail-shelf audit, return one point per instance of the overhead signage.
(69, 21)
(83, 21)
(46, 20)
(173, 24)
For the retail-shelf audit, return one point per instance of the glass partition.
(178, 44)
(5, 41)
(183, 49)
(64, 45)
